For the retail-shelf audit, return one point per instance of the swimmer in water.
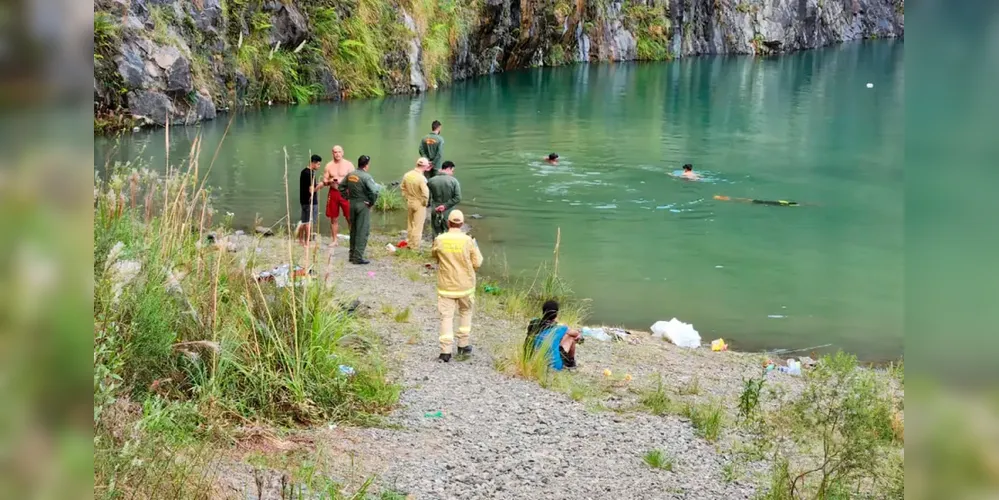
(552, 159)
(688, 173)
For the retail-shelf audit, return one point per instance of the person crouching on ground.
(545, 333)
(458, 257)
(414, 189)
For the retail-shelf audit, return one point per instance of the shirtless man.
(334, 172)
(688, 173)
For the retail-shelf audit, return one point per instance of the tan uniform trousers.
(415, 219)
(446, 306)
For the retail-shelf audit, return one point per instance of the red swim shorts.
(335, 203)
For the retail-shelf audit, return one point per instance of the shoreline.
(514, 282)
(113, 123)
(378, 239)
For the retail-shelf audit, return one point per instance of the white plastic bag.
(595, 333)
(676, 331)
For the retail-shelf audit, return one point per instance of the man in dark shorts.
(544, 334)
(309, 182)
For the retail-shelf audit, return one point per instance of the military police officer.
(432, 148)
(361, 192)
(445, 194)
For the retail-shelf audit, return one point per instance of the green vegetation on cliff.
(178, 61)
(651, 26)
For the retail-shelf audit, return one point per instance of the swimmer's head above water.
(552, 158)
(688, 172)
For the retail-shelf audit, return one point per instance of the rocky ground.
(500, 436)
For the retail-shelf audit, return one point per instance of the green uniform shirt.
(444, 190)
(432, 148)
(359, 186)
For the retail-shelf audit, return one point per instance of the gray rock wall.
(178, 61)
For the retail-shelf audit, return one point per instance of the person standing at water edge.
(309, 183)
(445, 194)
(432, 148)
(458, 257)
(333, 175)
(360, 190)
(414, 189)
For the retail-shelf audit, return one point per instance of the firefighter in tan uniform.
(458, 257)
(414, 189)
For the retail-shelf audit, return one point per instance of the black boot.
(444, 357)
(465, 351)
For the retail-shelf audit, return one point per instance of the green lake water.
(642, 245)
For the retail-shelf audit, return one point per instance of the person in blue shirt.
(545, 334)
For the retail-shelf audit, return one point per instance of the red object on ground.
(402, 244)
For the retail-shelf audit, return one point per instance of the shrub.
(840, 431)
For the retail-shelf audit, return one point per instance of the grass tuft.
(708, 420)
(402, 316)
(658, 459)
(692, 388)
(656, 400)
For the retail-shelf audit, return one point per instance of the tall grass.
(389, 199)
(523, 300)
(193, 327)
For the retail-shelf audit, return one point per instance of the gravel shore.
(502, 437)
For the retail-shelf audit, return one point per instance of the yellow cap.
(456, 216)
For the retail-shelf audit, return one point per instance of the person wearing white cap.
(458, 257)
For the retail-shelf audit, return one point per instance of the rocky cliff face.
(179, 61)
